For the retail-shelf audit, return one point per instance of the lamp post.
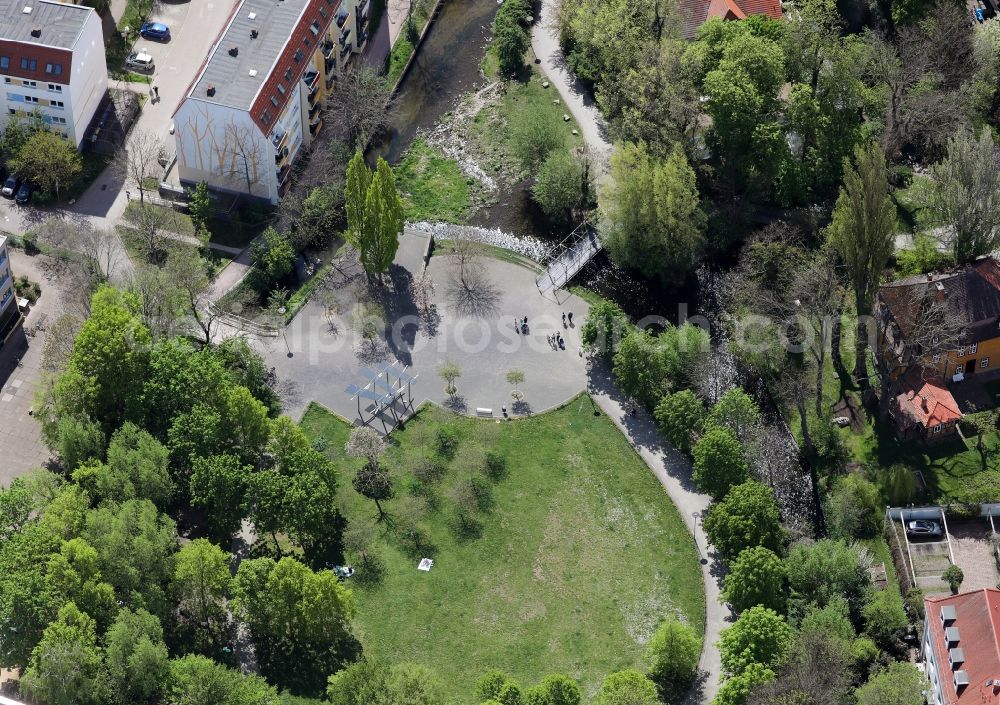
(697, 515)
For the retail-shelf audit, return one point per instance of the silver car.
(923, 527)
(140, 62)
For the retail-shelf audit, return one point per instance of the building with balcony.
(261, 93)
(52, 63)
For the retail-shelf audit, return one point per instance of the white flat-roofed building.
(52, 63)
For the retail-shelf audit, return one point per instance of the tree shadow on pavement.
(476, 297)
(456, 403)
(396, 299)
(521, 408)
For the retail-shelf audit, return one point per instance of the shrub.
(954, 577)
(494, 465)
(885, 619)
(446, 442)
(673, 655)
(560, 185)
(534, 133)
(604, 328)
(429, 471)
(853, 508)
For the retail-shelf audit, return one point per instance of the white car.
(140, 61)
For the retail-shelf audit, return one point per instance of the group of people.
(555, 339)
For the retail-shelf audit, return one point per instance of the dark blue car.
(155, 30)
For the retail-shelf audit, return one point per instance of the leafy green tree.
(885, 619)
(679, 416)
(899, 683)
(653, 216)
(246, 368)
(201, 585)
(818, 572)
(863, 234)
(27, 600)
(756, 577)
(200, 206)
(383, 221)
(490, 684)
(110, 357)
(375, 683)
(719, 462)
(534, 133)
(273, 255)
(196, 680)
(300, 621)
(78, 440)
(374, 213)
(561, 185)
(136, 469)
(559, 689)
(627, 688)
(642, 368)
(135, 659)
(746, 517)
(18, 130)
(135, 544)
(736, 411)
(759, 635)
(510, 42)
(74, 574)
(673, 654)
(954, 576)
(967, 195)
(219, 485)
(833, 620)
(853, 510)
(605, 327)
(742, 101)
(64, 667)
(48, 161)
(736, 690)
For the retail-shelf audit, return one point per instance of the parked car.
(24, 194)
(141, 62)
(923, 527)
(10, 186)
(155, 30)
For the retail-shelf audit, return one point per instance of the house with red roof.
(920, 379)
(695, 13)
(961, 648)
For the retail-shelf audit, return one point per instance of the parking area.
(931, 541)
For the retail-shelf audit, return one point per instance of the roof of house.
(972, 292)
(54, 24)
(694, 13)
(977, 616)
(242, 67)
(926, 401)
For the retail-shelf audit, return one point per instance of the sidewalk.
(674, 473)
(545, 44)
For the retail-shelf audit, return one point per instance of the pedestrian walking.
(156, 92)
(517, 328)
(564, 319)
(128, 195)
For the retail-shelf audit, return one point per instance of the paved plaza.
(474, 331)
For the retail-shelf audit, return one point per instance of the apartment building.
(259, 97)
(961, 648)
(52, 63)
(10, 315)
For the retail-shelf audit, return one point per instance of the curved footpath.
(545, 44)
(674, 473)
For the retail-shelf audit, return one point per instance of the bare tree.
(58, 344)
(158, 299)
(137, 161)
(362, 105)
(187, 273)
(150, 224)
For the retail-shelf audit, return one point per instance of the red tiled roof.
(927, 401)
(978, 622)
(694, 13)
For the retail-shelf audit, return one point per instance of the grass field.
(433, 186)
(580, 557)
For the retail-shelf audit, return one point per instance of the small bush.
(494, 465)
(320, 443)
(415, 539)
(465, 525)
(429, 471)
(954, 577)
(446, 442)
(483, 493)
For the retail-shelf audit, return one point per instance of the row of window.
(33, 100)
(28, 64)
(34, 84)
(49, 119)
(961, 351)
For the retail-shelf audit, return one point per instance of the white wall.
(89, 78)
(211, 140)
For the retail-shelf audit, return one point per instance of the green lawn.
(580, 558)
(433, 186)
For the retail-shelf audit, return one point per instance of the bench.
(480, 411)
